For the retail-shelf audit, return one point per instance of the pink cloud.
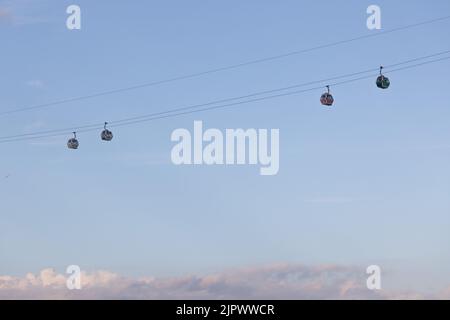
(5, 15)
(282, 281)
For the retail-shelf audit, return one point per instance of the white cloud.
(282, 281)
(38, 84)
(331, 200)
(35, 125)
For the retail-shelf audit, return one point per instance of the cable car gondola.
(327, 99)
(73, 142)
(383, 81)
(106, 134)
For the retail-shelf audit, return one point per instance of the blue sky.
(366, 182)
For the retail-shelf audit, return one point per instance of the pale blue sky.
(366, 182)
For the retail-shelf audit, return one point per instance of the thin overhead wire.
(221, 69)
(177, 110)
(271, 97)
(232, 98)
(185, 110)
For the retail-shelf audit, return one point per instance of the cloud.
(141, 159)
(331, 200)
(35, 125)
(37, 84)
(444, 294)
(5, 15)
(24, 12)
(282, 281)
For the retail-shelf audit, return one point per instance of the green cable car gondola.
(383, 81)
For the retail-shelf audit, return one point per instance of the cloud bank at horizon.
(283, 281)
